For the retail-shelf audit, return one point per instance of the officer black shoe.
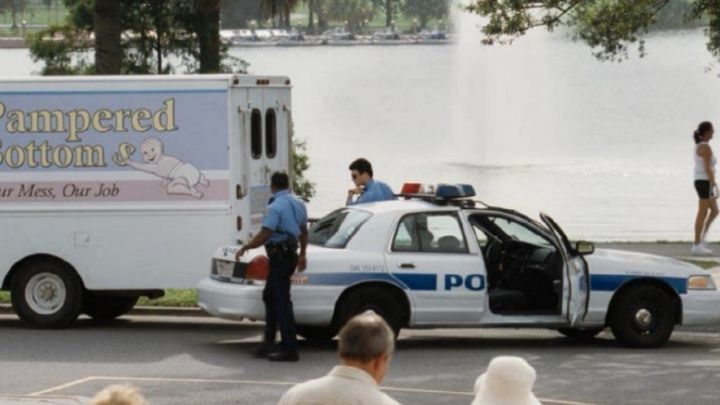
(283, 356)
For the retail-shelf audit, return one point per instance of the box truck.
(112, 188)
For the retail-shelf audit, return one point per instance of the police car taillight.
(412, 188)
(258, 268)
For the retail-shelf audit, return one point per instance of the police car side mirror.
(584, 248)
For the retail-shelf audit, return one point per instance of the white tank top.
(700, 173)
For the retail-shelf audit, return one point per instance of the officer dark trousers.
(278, 306)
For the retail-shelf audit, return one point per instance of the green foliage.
(172, 298)
(155, 33)
(355, 12)
(4, 297)
(677, 14)
(301, 187)
(607, 26)
(63, 49)
(424, 10)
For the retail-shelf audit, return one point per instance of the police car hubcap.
(644, 317)
(45, 293)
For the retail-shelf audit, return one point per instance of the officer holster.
(285, 248)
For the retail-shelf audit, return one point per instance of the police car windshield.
(337, 228)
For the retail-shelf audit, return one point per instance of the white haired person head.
(366, 345)
(508, 380)
(367, 342)
(118, 395)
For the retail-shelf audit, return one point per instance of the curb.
(141, 311)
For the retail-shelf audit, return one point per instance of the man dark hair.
(366, 188)
(362, 165)
(280, 181)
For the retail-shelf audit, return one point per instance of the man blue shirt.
(285, 216)
(374, 191)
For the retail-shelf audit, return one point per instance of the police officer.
(284, 229)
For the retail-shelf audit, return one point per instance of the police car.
(442, 259)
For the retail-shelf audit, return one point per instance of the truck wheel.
(46, 294)
(580, 334)
(380, 300)
(643, 316)
(316, 334)
(107, 307)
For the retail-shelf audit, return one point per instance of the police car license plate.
(225, 269)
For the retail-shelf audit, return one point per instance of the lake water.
(605, 148)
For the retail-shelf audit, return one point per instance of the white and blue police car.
(444, 260)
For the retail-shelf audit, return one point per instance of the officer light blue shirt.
(286, 214)
(374, 191)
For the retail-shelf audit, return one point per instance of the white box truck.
(113, 188)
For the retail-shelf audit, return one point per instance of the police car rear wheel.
(580, 334)
(379, 300)
(46, 293)
(316, 334)
(105, 308)
(643, 316)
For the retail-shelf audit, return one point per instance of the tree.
(607, 26)
(207, 29)
(153, 33)
(48, 4)
(108, 49)
(300, 162)
(424, 10)
(355, 12)
(279, 9)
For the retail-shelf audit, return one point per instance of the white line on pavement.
(265, 382)
(62, 387)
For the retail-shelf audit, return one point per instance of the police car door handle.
(406, 265)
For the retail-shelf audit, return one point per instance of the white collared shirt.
(344, 385)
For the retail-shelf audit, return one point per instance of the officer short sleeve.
(271, 220)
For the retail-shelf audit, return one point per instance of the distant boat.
(387, 34)
(337, 35)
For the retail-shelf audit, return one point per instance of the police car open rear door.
(576, 292)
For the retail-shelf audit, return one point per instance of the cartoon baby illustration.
(181, 178)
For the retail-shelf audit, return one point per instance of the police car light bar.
(452, 191)
(441, 192)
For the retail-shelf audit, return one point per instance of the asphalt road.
(196, 360)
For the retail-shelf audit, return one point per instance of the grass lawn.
(172, 298)
(705, 264)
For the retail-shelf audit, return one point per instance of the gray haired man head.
(366, 344)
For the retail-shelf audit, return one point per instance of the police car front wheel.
(643, 316)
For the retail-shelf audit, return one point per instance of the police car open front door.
(576, 291)
(430, 257)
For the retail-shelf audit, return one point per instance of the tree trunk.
(159, 50)
(311, 17)
(208, 33)
(108, 52)
(14, 16)
(388, 13)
